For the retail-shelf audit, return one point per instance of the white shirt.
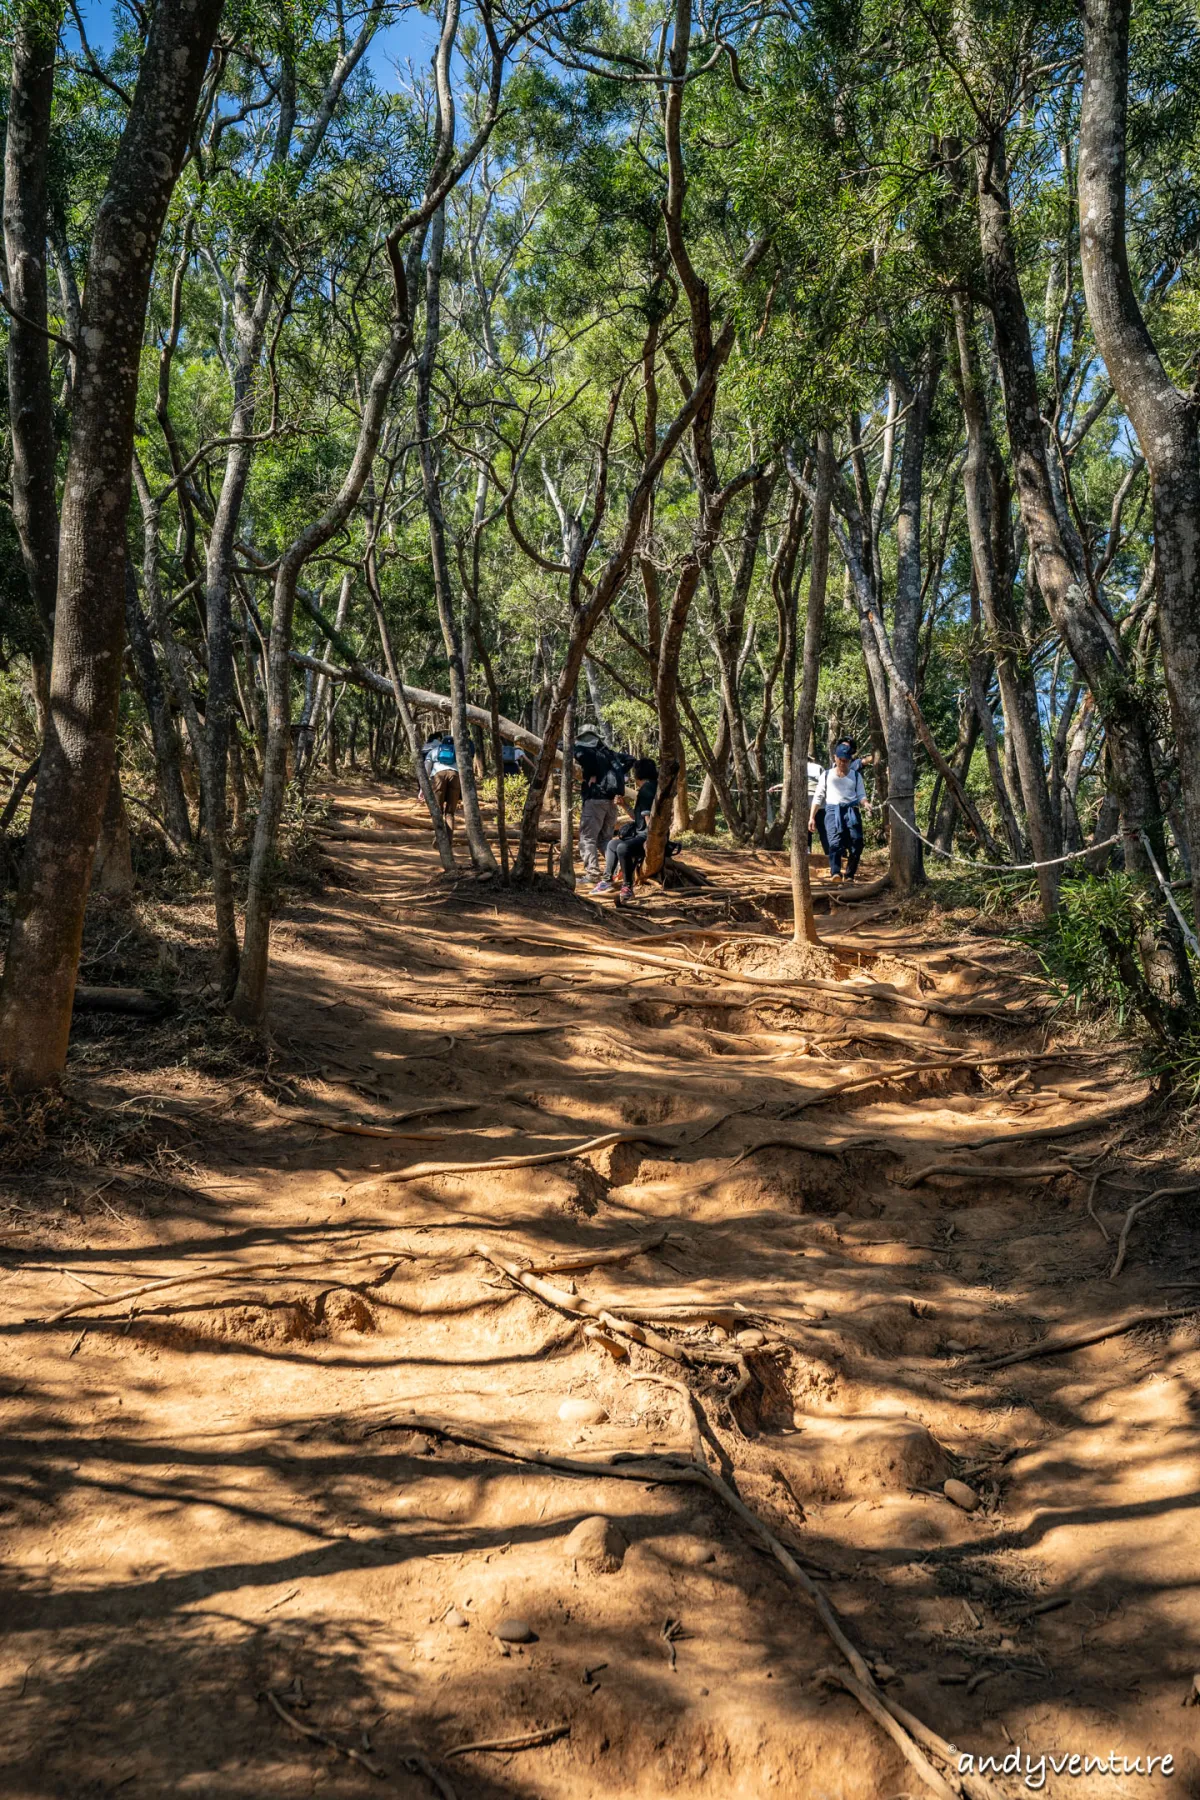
(840, 790)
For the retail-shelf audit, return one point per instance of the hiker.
(602, 787)
(841, 793)
(627, 849)
(442, 764)
(514, 760)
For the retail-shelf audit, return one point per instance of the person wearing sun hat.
(842, 793)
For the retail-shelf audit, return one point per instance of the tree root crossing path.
(606, 1353)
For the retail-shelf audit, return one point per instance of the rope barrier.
(1008, 868)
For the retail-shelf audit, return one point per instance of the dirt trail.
(211, 1491)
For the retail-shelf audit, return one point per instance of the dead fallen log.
(359, 676)
(138, 1003)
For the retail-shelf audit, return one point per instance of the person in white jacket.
(842, 794)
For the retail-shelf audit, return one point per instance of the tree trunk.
(1164, 419)
(77, 759)
(165, 737)
(464, 746)
(30, 395)
(905, 850)
(1086, 630)
(804, 924)
(112, 865)
(250, 996)
(987, 493)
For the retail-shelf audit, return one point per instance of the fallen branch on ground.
(1138, 1207)
(579, 1307)
(529, 1740)
(138, 1003)
(871, 1701)
(1081, 1340)
(323, 1737)
(683, 1471)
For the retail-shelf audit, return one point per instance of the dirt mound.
(848, 1458)
(776, 957)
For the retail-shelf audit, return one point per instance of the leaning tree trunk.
(1164, 419)
(30, 395)
(89, 624)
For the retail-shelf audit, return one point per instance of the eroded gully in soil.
(216, 1490)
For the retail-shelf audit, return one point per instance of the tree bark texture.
(1164, 419)
(988, 502)
(31, 401)
(804, 926)
(77, 760)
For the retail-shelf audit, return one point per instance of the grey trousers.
(597, 822)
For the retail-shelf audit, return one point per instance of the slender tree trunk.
(250, 997)
(986, 489)
(1085, 628)
(464, 746)
(804, 927)
(566, 785)
(112, 865)
(1164, 419)
(905, 850)
(945, 815)
(35, 26)
(168, 773)
(77, 759)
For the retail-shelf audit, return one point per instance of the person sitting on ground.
(442, 763)
(627, 850)
(842, 793)
(602, 787)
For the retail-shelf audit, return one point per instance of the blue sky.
(411, 38)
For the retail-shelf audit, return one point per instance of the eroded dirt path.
(216, 1490)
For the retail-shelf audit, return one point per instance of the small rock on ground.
(515, 1631)
(582, 1412)
(597, 1544)
(961, 1494)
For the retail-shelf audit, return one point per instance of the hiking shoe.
(604, 887)
(626, 892)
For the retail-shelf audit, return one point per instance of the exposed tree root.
(580, 1308)
(424, 1171)
(695, 1471)
(1139, 1207)
(230, 1272)
(1080, 1340)
(851, 993)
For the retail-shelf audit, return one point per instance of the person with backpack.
(442, 764)
(627, 848)
(602, 787)
(842, 793)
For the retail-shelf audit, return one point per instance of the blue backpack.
(445, 757)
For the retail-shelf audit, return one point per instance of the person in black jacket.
(627, 849)
(601, 794)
